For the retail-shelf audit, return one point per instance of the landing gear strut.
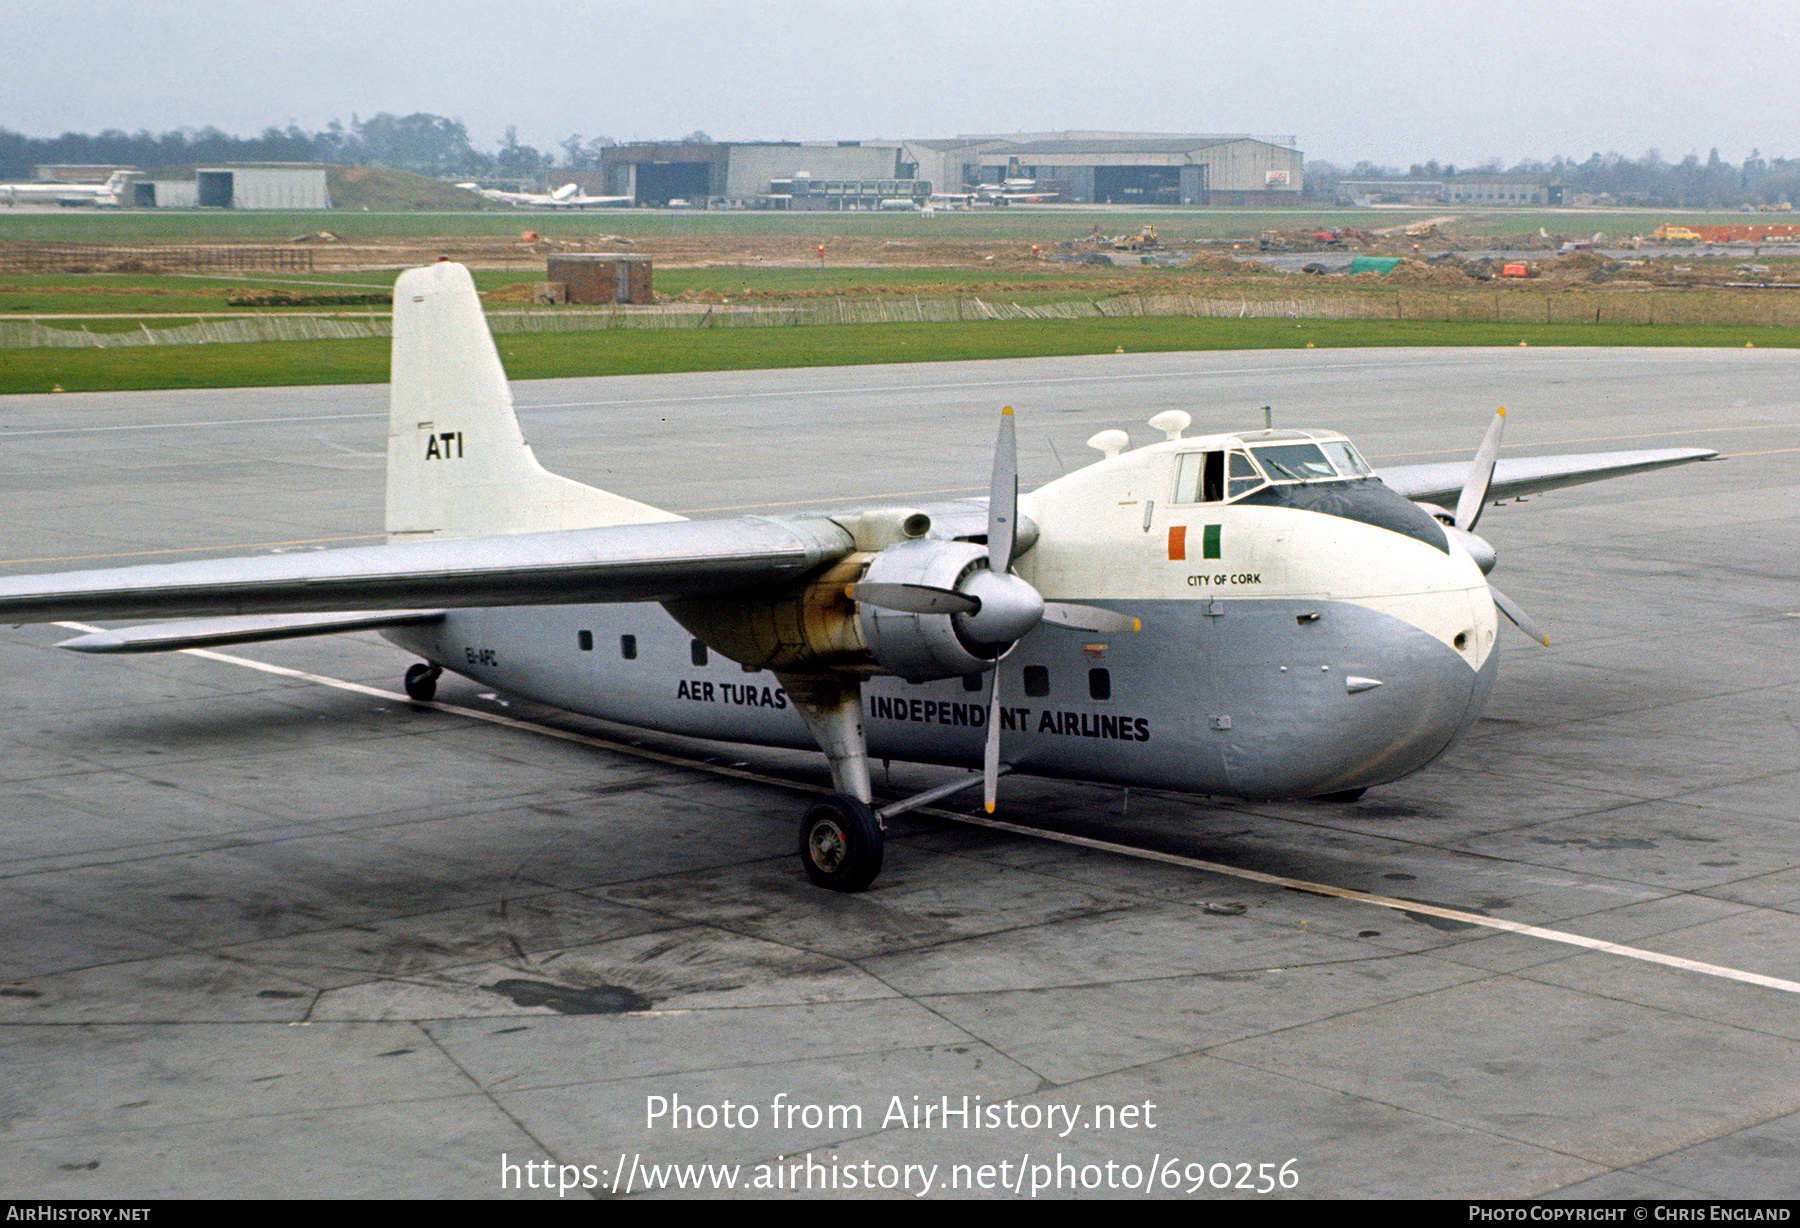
(421, 682)
(840, 843)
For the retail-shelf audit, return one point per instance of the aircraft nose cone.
(1317, 727)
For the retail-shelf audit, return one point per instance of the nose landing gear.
(421, 681)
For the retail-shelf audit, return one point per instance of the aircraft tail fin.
(458, 464)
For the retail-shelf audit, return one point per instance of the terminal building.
(1083, 167)
(1123, 168)
(1474, 188)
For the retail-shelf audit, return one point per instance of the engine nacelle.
(817, 626)
(920, 647)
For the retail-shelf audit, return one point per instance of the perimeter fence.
(1770, 309)
(26, 257)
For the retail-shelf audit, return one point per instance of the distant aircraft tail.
(458, 465)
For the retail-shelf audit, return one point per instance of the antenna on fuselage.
(1171, 422)
(1268, 417)
(1110, 443)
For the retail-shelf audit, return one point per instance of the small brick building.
(602, 277)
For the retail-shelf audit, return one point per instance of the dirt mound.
(381, 189)
(1419, 273)
(1575, 262)
(1225, 266)
(133, 265)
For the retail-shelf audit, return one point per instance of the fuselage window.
(1037, 681)
(1099, 684)
(1200, 478)
(584, 640)
(628, 647)
(697, 652)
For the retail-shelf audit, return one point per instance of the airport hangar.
(1081, 167)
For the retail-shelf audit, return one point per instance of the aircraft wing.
(1442, 483)
(243, 629)
(637, 562)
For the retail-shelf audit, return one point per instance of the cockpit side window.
(1200, 477)
(1244, 476)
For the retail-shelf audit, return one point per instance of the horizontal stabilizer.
(640, 562)
(1441, 484)
(250, 629)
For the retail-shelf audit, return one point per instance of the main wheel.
(840, 843)
(421, 682)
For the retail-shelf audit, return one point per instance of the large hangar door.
(1137, 185)
(215, 188)
(658, 183)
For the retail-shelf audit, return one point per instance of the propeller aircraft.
(1254, 613)
(568, 196)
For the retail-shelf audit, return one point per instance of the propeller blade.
(1088, 617)
(914, 598)
(990, 755)
(1481, 474)
(1003, 497)
(1520, 618)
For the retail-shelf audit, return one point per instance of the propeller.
(1520, 618)
(992, 605)
(1469, 506)
(1481, 475)
(1003, 514)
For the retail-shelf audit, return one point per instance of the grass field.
(1048, 224)
(626, 351)
(117, 302)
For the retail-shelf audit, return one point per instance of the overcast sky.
(1393, 81)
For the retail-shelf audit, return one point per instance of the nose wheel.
(421, 682)
(840, 843)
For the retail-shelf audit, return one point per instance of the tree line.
(1611, 178)
(427, 144)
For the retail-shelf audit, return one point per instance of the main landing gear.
(421, 682)
(841, 843)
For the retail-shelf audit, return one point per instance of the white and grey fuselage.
(1306, 630)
